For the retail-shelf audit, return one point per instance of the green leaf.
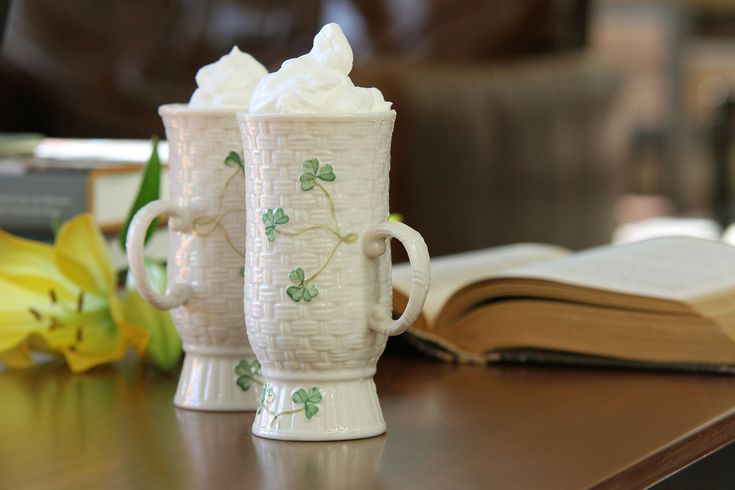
(150, 189)
(307, 182)
(327, 173)
(242, 271)
(280, 217)
(56, 222)
(299, 396)
(244, 382)
(270, 233)
(312, 290)
(310, 410)
(255, 367)
(233, 159)
(311, 165)
(242, 368)
(297, 276)
(314, 395)
(295, 293)
(265, 391)
(268, 218)
(350, 238)
(164, 345)
(156, 273)
(307, 295)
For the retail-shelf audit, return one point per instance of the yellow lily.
(62, 299)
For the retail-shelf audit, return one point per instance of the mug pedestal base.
(308, 410)
(208, 382)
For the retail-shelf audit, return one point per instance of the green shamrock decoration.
(308, 399)
(233, 159)
(247, 372)
(271, 219)
(312, 171)
(300, 291)
(265, 393)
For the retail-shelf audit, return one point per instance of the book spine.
(30, 201)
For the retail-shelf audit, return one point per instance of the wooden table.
(449, 426)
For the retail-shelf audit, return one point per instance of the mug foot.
(209, 382)
(318, 410)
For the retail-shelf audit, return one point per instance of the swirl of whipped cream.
(317, 82)
(228, 82)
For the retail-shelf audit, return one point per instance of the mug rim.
(183, 109)
(349, 116)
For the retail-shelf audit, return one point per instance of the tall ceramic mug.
(205, 260)
(317, 270)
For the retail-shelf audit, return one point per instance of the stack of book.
(48, 179)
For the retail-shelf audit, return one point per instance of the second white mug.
(206, 257)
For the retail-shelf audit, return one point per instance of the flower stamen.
(52, 294)
(55, 323)
(80, 302)
(35, 314)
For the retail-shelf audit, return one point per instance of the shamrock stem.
(285, 412)
(217, 222)
(326, 262)
(332, 212)
(304, 230)
(224, 189)
(291, 412)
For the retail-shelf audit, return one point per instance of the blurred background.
(559, 121)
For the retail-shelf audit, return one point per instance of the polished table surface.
(449, 426)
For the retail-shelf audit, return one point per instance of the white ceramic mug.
(317, 270)
(206, 256)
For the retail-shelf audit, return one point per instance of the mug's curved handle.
(374, 244)
(180, 220)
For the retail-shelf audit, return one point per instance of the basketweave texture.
(330, 332)
(204, 258)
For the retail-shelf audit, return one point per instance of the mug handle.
(181, 220)
(374, 244)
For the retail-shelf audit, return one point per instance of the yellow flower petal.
(18, 357)
(134, 333)
(31, 265)
(16, 327)
(82, 255)
(17, 321)
(102, 343)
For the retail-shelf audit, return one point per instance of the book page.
(452, 272)
(673, 268)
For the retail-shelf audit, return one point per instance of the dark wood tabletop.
(449, 426)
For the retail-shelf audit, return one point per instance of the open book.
(663, 303)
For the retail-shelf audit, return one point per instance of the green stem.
(217, 222)
(326, 262)
(291, 412)
(208, 220)
(304, 230)
(331, 204)
(228, 239)
(285, 412)
(224, 189)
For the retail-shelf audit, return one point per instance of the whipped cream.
(228, 82)
(317, 82)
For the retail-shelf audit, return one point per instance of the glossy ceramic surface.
(206, 256)
(317, 274)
